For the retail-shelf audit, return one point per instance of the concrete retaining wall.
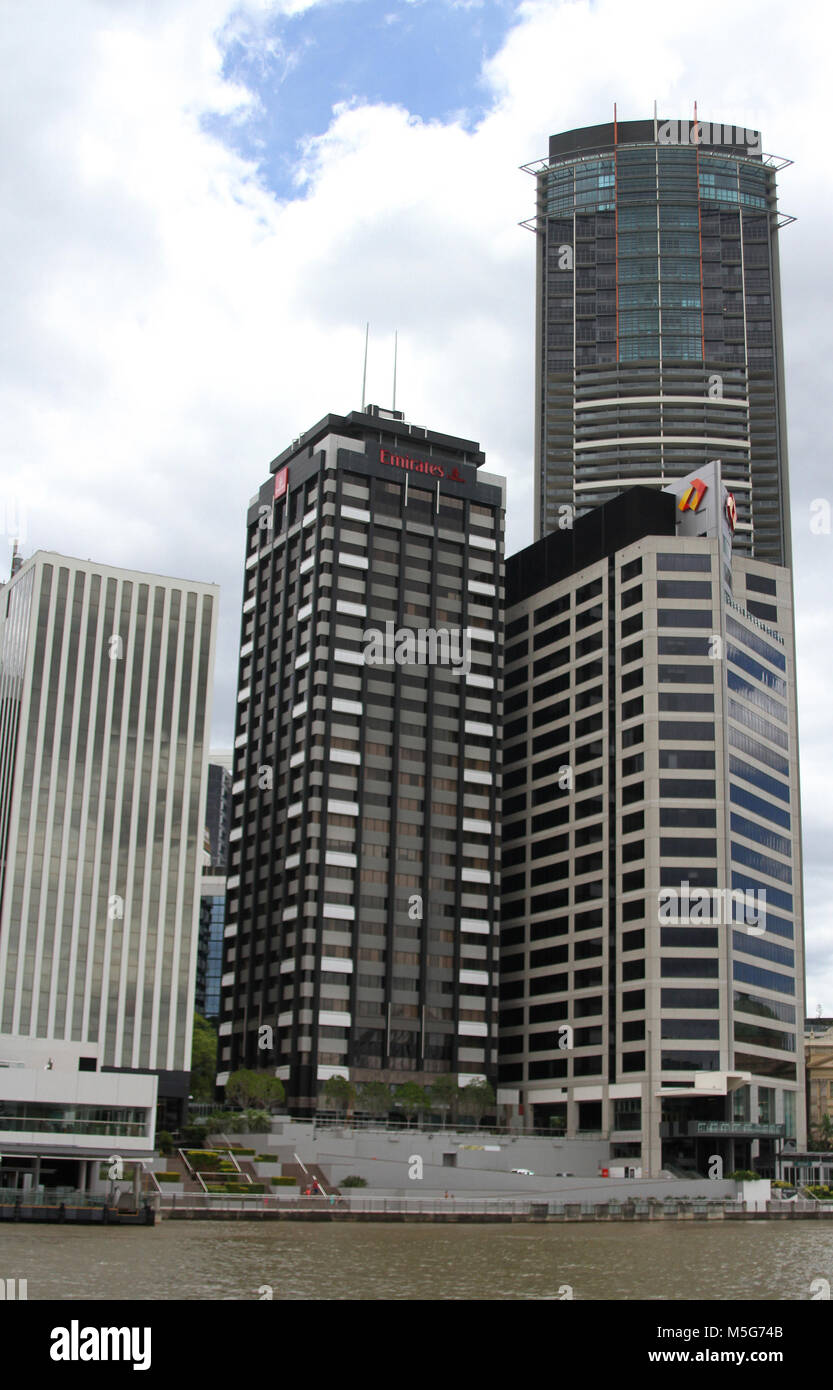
(482, 1163)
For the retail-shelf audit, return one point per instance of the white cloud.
(171, 324)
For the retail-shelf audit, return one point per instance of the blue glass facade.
(210, 957)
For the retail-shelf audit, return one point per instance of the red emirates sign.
(433, 470)
(281, 480)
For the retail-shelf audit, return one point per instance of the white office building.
(652, 938)
(105, 693)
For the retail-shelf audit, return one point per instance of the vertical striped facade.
(105, 693)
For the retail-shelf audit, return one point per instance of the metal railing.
(334, 1120)
(438, 1130)
(172, 1201)
(51, 1197)
(115, 1128)
(539, 1207)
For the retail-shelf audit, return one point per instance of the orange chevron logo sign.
(693, 496)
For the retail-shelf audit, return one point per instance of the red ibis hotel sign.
(281, 480)
(433, 470)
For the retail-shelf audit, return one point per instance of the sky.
(204, 201)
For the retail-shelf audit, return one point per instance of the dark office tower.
(361, 931)
(652, 935)
(658, 339)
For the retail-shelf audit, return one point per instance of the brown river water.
(237, 1260)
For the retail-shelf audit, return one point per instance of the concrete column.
(572, 1117)
(651, 1141)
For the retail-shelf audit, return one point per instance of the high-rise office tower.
(658, 335)
(363, 889)
(105, 693)
(218, 808)
(652, 936)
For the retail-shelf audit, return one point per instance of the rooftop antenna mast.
(395, 348)
(364, 373)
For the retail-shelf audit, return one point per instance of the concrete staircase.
(305, 1173)
(175, 1164)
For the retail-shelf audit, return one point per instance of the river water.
(287, 1260)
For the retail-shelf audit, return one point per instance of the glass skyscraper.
(659, 327)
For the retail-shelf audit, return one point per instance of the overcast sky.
(204, 201)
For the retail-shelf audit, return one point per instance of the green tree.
(203, 1059)
(272, 1092)
(444, 1095)
(477, 1099)
(375, 1097)
(254, 1090)
(411, 1098)
(339, 1093)
(165, 1143)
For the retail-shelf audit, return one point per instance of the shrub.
(247, 1153)
(353, 1181)
(226, 1122)
(268, 1158)
(194, 1136)
(744, 1175)
(165, 1143)
(284, 1182)
(257, 1121)
(205, 1160)
(168, 1177)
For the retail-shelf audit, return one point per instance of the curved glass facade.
(659, 323)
